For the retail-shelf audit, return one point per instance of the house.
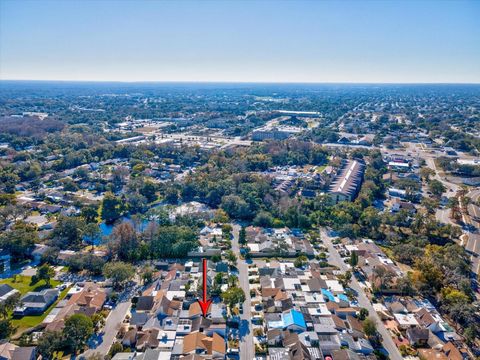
(86, 300)
(138, 319)
(25, 353)
(6, 350)
(399, 193)
(429, 321)
(149, 354)
(38, 252)
(452, 352)
(417, 336)
(64, 255)
(37, 220)
(145, 303)
(35, 303)
(292, 320)
(406, 321)
(398, 205)
(201, 344)
(148, 339)
(274, 337)
(6, 291)
(431, 354)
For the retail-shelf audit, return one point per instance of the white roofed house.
(346, 185)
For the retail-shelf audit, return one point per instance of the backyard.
(24, 285)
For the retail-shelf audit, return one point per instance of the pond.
(107, 228)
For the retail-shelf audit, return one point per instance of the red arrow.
(204, 304)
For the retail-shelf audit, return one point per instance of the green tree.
(78, 329)
(49, 343)
(119, 272)
(46, 273)
(426, 173)
(236, 207)
(353, 259)
(148, 190)
(68, 232)
(263, 219)
(147, 275)
(470, 334)
(233, 296)
(98, 320)
(136, 203)
(221, 216)
(115, 349)
(97, 356)
(92, 234)
(231, 257)
(172, 195)
(19, 240)
(6, 328)
(9, 304)
(242, 236)
(345, 278)
(112, 207)
(173, 241)
(363, 314)
(369, 327)
(436, 187)
(300, 261)
(90, 213)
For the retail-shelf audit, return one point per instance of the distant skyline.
(241, 41)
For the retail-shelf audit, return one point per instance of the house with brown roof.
(452, 352)
(147, 339)
(428, 321)
(88, 301)
(200, 344)
(195, 310)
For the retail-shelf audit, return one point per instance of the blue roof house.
(292, 320)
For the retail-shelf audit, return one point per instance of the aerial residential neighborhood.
(314, 248)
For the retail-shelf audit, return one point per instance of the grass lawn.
(27, 322)
(23, 284)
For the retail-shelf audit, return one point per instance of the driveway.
(335, 259)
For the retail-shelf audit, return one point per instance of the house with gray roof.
(35, 303)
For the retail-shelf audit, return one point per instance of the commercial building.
(275, 133)
(347, 183)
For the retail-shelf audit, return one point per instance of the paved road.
(247, 349)
(363, 301)
(475, 194)
(448, 185)
(112, 326)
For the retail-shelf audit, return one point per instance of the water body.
(107, 229)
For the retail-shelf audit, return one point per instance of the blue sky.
(264, 41)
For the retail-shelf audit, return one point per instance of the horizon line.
(239, 82)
